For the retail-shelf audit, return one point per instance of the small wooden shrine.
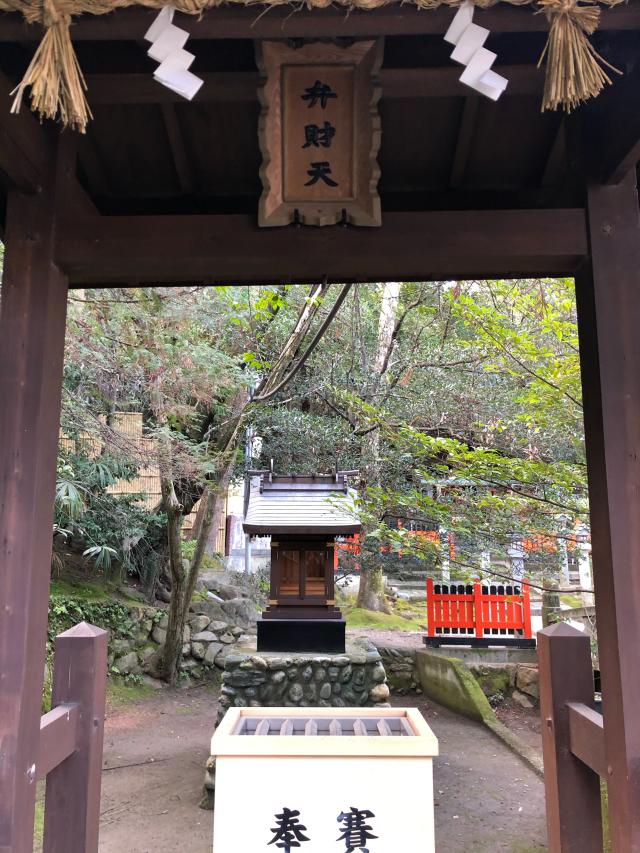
(303, 515)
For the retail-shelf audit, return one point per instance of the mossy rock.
(492, 679)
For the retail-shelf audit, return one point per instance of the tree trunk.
(168, 663)
(550, 601)
(371, 590)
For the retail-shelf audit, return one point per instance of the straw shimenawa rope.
(575, 70)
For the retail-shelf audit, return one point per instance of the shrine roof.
(320, 504)
(170, 189)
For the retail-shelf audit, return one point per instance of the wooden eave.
(166, 191)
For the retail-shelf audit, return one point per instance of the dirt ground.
(486, 799)
(406, 639)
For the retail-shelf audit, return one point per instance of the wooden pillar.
(32, 328)
(608, 293)
(72, 805)
(572, 790)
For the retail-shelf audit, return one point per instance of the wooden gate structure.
(163, 191)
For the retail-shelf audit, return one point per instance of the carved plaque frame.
(351, 157)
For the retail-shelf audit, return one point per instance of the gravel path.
(406, 639)
(486, 799)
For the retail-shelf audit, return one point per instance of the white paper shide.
(167, 48)
(469, 50)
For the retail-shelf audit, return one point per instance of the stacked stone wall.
(206, 643)
(268, 679)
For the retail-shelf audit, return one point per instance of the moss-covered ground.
(120, 693)
(404, 615)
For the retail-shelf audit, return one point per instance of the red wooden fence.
(478, 614)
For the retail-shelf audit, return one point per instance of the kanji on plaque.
(318, 108)
(356, 830)
(288, 831)
(319, 134)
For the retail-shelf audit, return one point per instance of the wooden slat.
(311, 728)
(586, 737)
(58, 736)
(411, 246)
(383, 728)
(286, 728)
(335, 729)
(359, 728)
(262, 728)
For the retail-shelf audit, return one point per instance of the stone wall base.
(356, 678)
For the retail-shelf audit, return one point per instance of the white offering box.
(319, 780)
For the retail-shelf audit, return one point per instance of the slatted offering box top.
(478, 614)
(330, 779)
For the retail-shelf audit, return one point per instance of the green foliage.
(102, 555)
(70, 604)
(66, 611)
(473, 423)
(106, 528)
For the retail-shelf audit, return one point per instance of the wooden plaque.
(319, 133)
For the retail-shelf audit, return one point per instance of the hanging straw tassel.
(54, 75)
(575, 70)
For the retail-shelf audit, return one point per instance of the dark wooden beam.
(608, 296)
(612, 122)
(92, 165)
(181, 161)
(464, 141)
(555, 166)
(440, 82)
(239, 21)
(23, 146)
(32, 329)
(433, 245)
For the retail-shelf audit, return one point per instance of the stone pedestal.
(356, 678)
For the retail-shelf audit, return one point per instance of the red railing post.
(72, 802)
(431, 611)
(572, 789)
(526, 612)
(477, 606)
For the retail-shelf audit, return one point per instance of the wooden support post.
(572, 790)
(431, 610)
(608, 297)
(477, 608)
(526, 611)
(72, 804)
(32, 328)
